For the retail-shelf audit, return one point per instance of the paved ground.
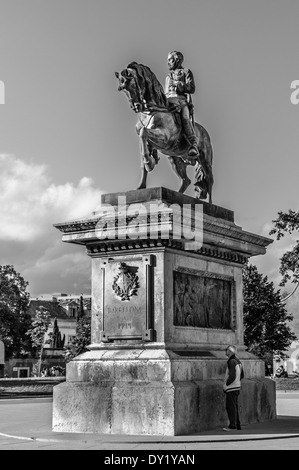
(25, 424)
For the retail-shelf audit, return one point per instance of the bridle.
(138, 104)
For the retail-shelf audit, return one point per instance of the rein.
(148, 123)
(164, 109)
(141, 106)
(152, 109)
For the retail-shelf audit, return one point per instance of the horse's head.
(141, 86)
(128, 84)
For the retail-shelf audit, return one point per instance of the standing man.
(231, 387)
(179, 84)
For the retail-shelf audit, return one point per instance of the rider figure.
(178, 85)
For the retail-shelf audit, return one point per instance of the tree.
(287, 222)
(265, 317)
(56, 340)
(14, 317)
(82, 339)
(38, 332)
(81, 312)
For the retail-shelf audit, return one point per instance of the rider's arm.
(188, 85)
(167, 84)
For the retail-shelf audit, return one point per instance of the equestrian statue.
(166, 123)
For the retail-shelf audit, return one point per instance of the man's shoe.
(229, 428)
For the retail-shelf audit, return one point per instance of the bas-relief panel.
(202, 300)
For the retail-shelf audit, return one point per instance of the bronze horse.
(159, 128)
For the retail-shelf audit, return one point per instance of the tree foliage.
(56, 338)
(81, 311)
(14, 317)
(82, 339)
(37, 333)
(39, 328)
(266, 329)
(287, 223)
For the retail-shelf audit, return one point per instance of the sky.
(67, 135)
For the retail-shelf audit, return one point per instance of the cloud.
(30, 203)
(62, 268)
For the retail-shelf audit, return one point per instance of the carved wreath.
(125, 283)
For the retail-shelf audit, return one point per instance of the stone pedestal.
(166, 301)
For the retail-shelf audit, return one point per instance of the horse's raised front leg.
(180, 168)
(146, 157)
(142, 184)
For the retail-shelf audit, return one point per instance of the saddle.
(175, 110)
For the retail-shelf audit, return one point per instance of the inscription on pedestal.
(203, 300)
(127, 292)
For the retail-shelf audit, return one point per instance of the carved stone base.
(151, 393)
(164, 308)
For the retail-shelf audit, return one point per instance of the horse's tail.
(205, 143)
(203, 170)
(209, 153)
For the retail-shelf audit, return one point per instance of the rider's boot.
(190, 134)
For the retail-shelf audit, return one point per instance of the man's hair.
(231, 348)
(178, 56)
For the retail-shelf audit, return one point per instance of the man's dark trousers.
(232, 408)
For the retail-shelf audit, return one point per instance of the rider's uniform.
(179, 83)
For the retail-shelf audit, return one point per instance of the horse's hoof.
(148, 168)
(184, 186)
(150, 164)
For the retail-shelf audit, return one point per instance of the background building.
(64, 308)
